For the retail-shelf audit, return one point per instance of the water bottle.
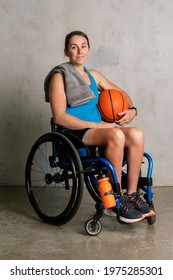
(106, 192)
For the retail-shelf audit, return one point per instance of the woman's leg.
(113, 139)
(134, 145)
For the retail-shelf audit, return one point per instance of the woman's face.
(78, 50)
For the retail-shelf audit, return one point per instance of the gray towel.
(76, 89)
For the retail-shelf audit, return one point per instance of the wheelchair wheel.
(54, 178)
(92, 186)
(151, 220)
(93, 227)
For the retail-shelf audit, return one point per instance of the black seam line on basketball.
(111, 105)
(122, 100)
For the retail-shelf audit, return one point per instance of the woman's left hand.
(126, 117)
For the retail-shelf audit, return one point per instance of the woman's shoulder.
(93, 71)
(96, 74)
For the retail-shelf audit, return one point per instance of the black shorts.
(79, 133)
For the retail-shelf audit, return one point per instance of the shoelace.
(126, 204)
(137, 199)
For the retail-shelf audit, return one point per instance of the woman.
(81, 115)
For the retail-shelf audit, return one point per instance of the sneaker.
(109, 212)
(128, 213)
(141, 205)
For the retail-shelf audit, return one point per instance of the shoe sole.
(151, 214)
(128, 221)
(132, 221)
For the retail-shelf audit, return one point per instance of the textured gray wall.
(131, 43)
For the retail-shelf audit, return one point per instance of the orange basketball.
(111, 102)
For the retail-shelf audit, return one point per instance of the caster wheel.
(93, 227)
(151, 220)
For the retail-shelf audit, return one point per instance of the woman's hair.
(73, 33)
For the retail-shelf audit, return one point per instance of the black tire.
(151, 220)
(54, 178)
(91, 185)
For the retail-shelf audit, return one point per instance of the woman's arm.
(103, 83)
(58, 104)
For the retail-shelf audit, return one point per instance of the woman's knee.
(116, 136)
(136, 135)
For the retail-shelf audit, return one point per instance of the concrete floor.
(24, 236)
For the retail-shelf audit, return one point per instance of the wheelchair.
(60, 165)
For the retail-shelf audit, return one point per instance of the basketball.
(110, 103)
